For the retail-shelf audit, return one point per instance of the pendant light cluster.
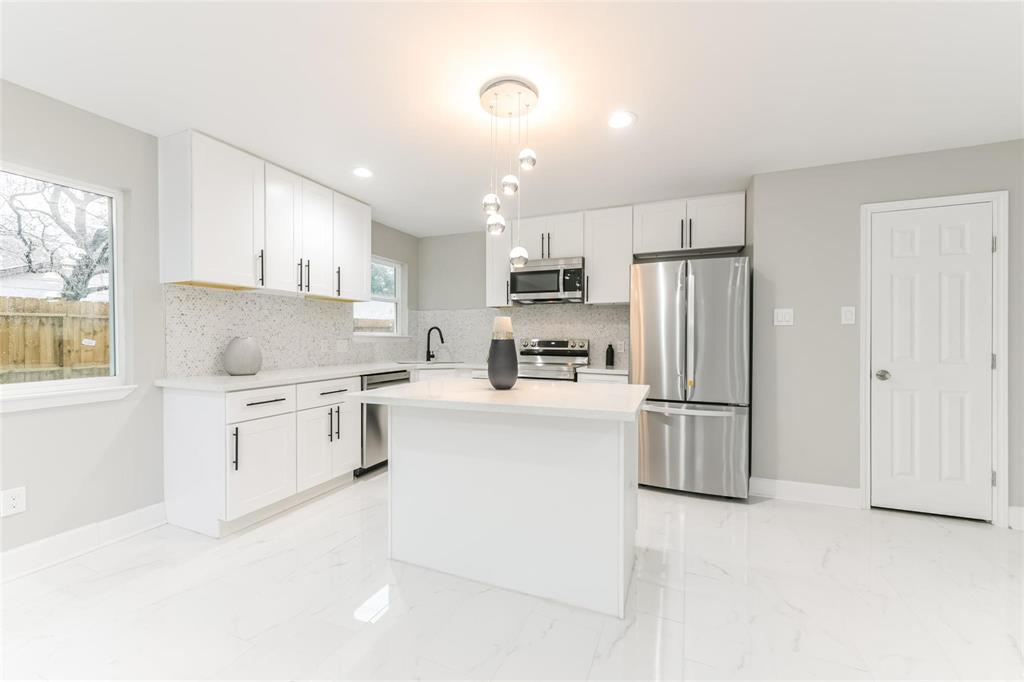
(509, 101)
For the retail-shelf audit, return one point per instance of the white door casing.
(930, 404)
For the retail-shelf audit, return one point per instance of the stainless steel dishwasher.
(375, 420)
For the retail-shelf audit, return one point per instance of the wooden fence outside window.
(47, 339)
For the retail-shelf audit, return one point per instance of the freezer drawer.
(696, 448)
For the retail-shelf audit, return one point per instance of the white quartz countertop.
(224, 383)
(619, 402)
(617, 371)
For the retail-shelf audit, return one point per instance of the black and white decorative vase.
(502, 359)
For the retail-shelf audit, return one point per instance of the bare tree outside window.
(55, 276)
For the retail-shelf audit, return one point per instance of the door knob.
(882, 375)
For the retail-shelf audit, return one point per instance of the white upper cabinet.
(316, 240)
(565, 235)
(281, 264)
(497, 270)
(717, 221)
(532, 234)
(552, 236)
(607, 250)
(709, 223)
(352, 231)
(211, 212)
(659, 226)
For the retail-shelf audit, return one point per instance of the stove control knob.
(533, 344)
(572, 344)
(525, 343)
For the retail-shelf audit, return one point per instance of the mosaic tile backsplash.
(297, 332)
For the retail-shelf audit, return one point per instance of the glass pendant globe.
(495, 224)
(527, 159)
(518, 257)
(509, 185)
(492, 204)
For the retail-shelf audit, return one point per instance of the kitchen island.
(531, 489)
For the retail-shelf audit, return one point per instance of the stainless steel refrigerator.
(689, 328)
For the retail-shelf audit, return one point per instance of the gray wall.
(391, 243)
(805, 228)
(82, 464)
(452, 271)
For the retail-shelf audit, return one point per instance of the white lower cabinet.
(234, 458)
(260, 463)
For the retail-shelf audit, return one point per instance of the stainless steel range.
(555, 359)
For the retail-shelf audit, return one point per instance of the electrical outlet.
(783, 317)
(847, 315)
(621, 348)
(13, 501)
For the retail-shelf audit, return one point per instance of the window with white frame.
(58, 293)
(384, 313)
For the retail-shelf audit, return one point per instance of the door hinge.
(993, 479)
(993, 244)
(993, 361)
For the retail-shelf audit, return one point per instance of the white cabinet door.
(347, 448)
(659, 226)
(227, 213)
(564, 235)
(352, 232)
(531, 233)
(608, 253)
(283, 229)
(260, 463)
(317, 240)
(716, 222)
(314, 446)
(497, 270)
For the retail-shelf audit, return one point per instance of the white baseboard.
(40, 554)
(1017, 518)
(816, 493)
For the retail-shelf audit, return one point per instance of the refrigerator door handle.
(687, 412)
(691, 337)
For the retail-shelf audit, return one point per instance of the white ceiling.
(722, 90)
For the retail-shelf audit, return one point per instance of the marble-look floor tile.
(720, 590)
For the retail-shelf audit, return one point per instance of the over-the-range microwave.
(551, 280)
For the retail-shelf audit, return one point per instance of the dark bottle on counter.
(609, 357)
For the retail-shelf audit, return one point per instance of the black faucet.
(430, 353)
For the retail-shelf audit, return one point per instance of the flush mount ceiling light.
(508, 100)
(362, 172)
(621, 119)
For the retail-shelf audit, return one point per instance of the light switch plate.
(847, 315)
(13, 501)
(783, 317)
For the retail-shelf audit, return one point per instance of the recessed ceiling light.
(622, 119)
(362, 172)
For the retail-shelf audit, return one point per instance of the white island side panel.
(541, 505)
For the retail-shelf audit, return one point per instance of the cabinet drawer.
(260, 402)
(321, 393)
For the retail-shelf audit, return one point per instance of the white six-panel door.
(931, 360)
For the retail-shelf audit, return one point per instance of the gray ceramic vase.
(242, 356)
(502, 364)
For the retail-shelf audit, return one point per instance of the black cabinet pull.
(307, 275)
(541, 244)
(337, 423)
(262, 279)
(330, 424)
(235, 462)
(690, 236)
(266, 402)
(340, 390)
(507, 299)
(682, 233)
(300, 274)
(549, 245)
(586, 294)
(339, 281)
